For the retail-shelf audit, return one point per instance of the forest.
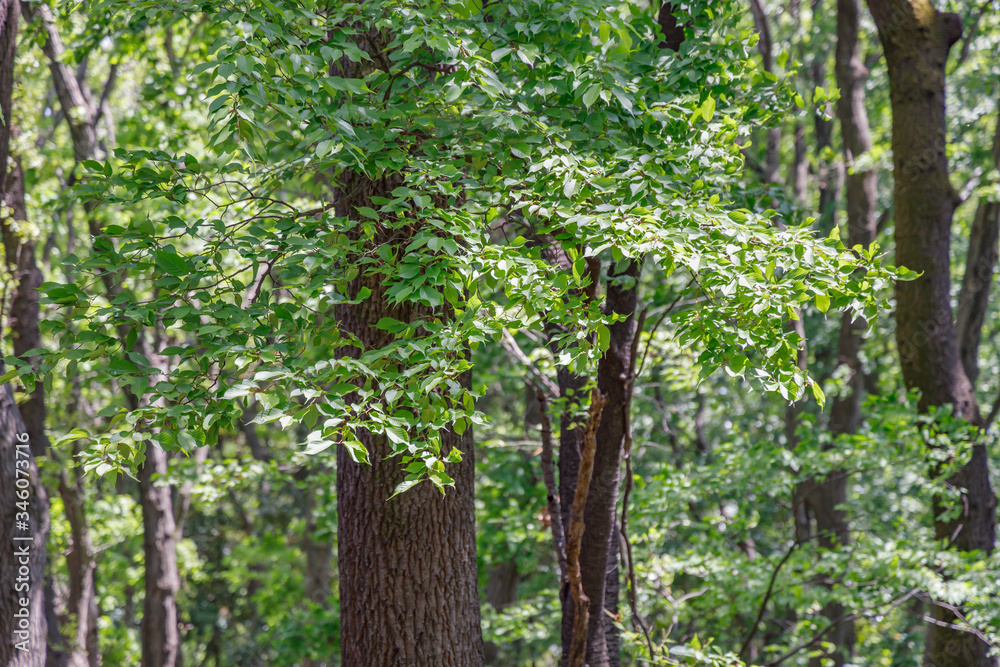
(454, 333)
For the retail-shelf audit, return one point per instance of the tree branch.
(543, 381)
(581, 603)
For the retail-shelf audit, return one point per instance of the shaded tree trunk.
(916, 39)
(828, 174)
(602, 635)
(407, 565)
(772, 160)
(24, 526)
(160, 632)
(501, 590)
(24, 507)
(318, 552)
(598, 555)
(974, 297)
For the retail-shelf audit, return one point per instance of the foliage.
(221, 221)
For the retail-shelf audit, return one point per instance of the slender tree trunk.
(160, 632)
(318, 552)
(319, 556)
(599, 549)
(408, 576)
(501, 591)
(602, 637)
(973, 299)
(828, 495)
(828, 173)
(80, 565)
(772, 160)
(24, 526)
(916, 39)
(83, 648)
(24, 507)
(598, 555)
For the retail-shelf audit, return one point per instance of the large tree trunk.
(408, 576)
(916, 39)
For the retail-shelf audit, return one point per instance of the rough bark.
(24, 509)
(407, 565)
(23, 531)
(916, 39)
(160, 632)
(981, 261)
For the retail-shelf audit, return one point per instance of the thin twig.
(843, 619)
(767, 597)
(659, 321)
(994, 410)
(637, 619)
(511, 346)
(551, 490)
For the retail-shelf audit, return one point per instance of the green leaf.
(818, 393)
(603, 337)
(604, 32)
(591, 94)
(356, 451)
(822, 302)
(708, 109)
(404, 486)
(171, 263)
(397, 435)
